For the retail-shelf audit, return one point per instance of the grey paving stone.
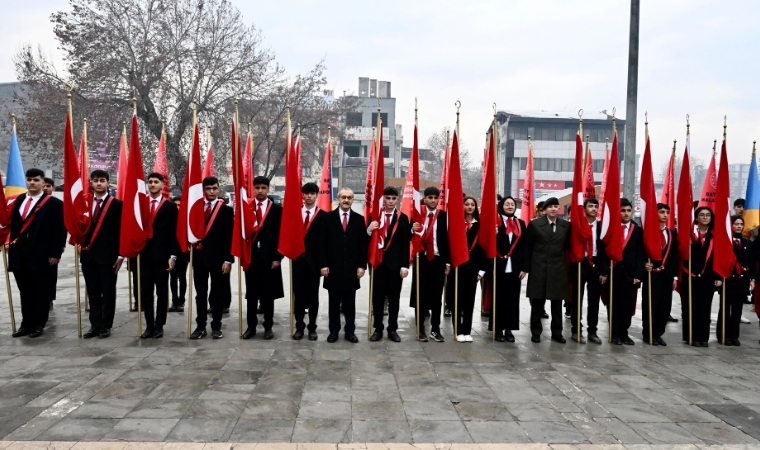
(215, 409)
(202, 430)
(79, 429)
(151, 430)
(718, 433)
(555, 433)
(496, 432)
(324, 410)
(248, 430)
(385, 411)
(104, 409)
(428, 431)
(430, 410)
(153, 408)
(322, 430)
(665, 433)
(380, 431)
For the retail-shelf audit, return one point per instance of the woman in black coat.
(469, 274)
(741, 282)
(703, 280)
(510, 244)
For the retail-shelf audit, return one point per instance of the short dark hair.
(625, 202)
(540, 206)
(35, 172)
(261, 180)
(390, 190)
(49, 181)
(158, 176)
(98, 173)
(738, 202)
(310, 188)
(663, 206)
(591, 200)
(177, 198)
(735, 217)
(210, 181)
(431, 190)
(551, 201)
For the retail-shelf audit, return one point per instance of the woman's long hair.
(476, 213)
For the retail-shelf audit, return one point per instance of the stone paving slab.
(59, 391)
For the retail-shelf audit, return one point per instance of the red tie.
(345, 221)
(258, 214)
(511, 225)
(468, 224)
(26, 208)
(387, 224)
(207, 213)
(622, 225)
(429, 248)
(306, 220)
(98, 201)
(153, 207)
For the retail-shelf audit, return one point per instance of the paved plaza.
(58, 389)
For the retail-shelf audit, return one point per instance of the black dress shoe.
(134, 309)
(352, 338)
(91, 333)
(176, 307)
(423, 337)
(593, 338)
(660, 341)
(198, 333)
(499, 337)
(216, 334)
(298, 335)
(628, 341)
(23, 331)
(392, 335)
(735, 342)
(249, 333)
(703, 344)
(672, 319)
(447, 313)
(313, 336)
(51, 305)
(376, 336)
(268, 335)
(332, 338)
(148, 333)
(559, 338)
(535, 338)
(727, 343)
(209, 311)
(225, 311)
(104, 333)
(36, 333)
(616, 340)
(509, 337)
(544, 315)
(437, 336)
(158, 334)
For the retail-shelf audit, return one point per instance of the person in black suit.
(263, 279)
(48, 186)
(213, 259)
(100, 256)
(592, 269)
(394, 266)
(627, 275)
(434, 264)
(547, 242)
(511, 238)
(306, 267)
(342, 261)
(178, 275)
(37, 239)
(469, 274)
(664, 280)
(742, 281)
(157, 259)
(703, 281)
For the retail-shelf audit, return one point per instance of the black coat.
(396, 255)
(105, 247)
(43, 239)
(268, 237)
(745, 257)
(311, 240)
(477, 260)
(164, 243)
(545, 259)
(442, 236)
(216, 246)
(701, 262)
(671, 262)
(342, 252)
(634, 256)
(504, 244)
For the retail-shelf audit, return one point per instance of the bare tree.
(172, 52)
(471, 176)
(697, 169)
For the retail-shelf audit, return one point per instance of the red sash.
(431, 227)
(393, 233)
(158, 207)
(101, 216)
(264, 218)
(211, 219)
(707, 258)
(474, 243)
(30, 217)
(630, 233)
(665, 256)
(517, 235)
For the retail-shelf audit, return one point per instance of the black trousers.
(736, 293)
(100, 280)
(432, 277)
(465, 300)
(702, 291)
(537, 308)
(259, 273)
(53, 282)
(216, 298)
(387, 283)
(178, 281)
(508, 302)
(306, 293)
(589, 284)
(662, 301)
(623, 304)
(345, 300)
(34, 290)
(153, 274)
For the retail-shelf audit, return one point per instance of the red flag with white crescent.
(135, 217)
(190, 222)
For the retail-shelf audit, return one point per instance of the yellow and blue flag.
(751, 214)
(15, 179)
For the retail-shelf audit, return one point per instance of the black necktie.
(554, 227)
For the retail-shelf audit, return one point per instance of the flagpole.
(417, 254)
(76, 247)
(190, 272)
(458, 104)
(292, 295)
(484, 281)
(649, 260)
(8, 290)
(493, 284)
(690, 238)
(443, 193)
(723, 297)
(612, 268)
(139, 280)
(580, 300)
(129, 268)
(379, 159)
(235, 157)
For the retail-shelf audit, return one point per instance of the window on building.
(532, 132)
(523, 163)
(352, 148)
(567, 165)
(558, 165)
(354, 119)
(545, 134)
(598, 165)
(386, 151)
(566, 134)
(383, 117)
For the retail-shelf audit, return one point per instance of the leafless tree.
(697, 167)
(471, 176)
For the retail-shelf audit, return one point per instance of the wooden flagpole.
(290, 280)
(76, 247)
(10, 297)
(190, 271)
(235, 157)
(139, 280)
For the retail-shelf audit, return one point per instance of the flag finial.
(715, 146)
(724, 128)
(134, 100)
(674, 147)
(494, 109)
(687, 124)
(415, 111)
(753, 149)
(13, 120)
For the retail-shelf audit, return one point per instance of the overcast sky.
(697, 57)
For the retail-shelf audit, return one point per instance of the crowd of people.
(336, 250)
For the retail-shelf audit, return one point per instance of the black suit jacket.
(342, 252)
(701, 262)
(311, 240)
(671, 261)
(268, 237)
(164, 242)
(44, 238)
(442, 236)
(504, 244)
(216, 246)
(634, 256)
(105, 247)
(477, 256)
(396, 254)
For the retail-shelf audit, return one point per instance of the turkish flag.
(122, 174)
(291, 243)
(724, 261)
(160, 166)
(460, 254)
(650, 219)
(377, 241)
(325, 198)
(190, 221)
(241, 244)
(76, 212)
(685, 206)
(589, 191)
(668, 195)
(580, 231)
(709, 187)
(612, 233)
(135, 217)
(370, 183)
(208, 164)
(298, 158)
(488, 215)
(605, 174)
(528, 208)
(411, 202)
(248, 167)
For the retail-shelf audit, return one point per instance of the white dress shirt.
(593, 226)
(312, 211)
(435, 229)
(32, 201)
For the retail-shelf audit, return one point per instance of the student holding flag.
(742, 280)
(664, 279)
(511, 240)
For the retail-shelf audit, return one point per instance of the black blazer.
(342, 252)
(634, 256)
(268, 238)
(504, 244)
(698, 255)
(396, 255)
(311, 240)
(671, 261)
(105, 247)
(745, 257)
(164, 242)
(442, 236)
(43, 239)
(477, 260)
(216, 247)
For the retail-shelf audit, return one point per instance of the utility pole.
(629, 155)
